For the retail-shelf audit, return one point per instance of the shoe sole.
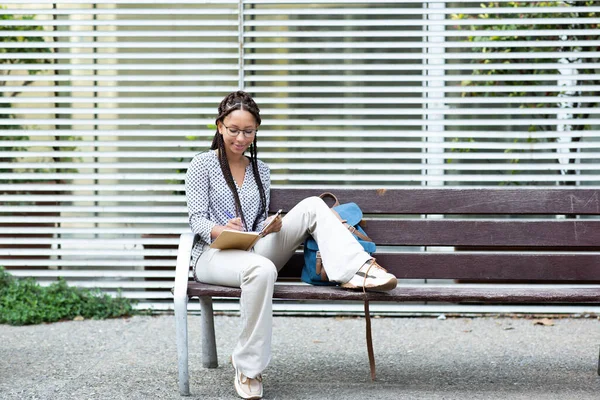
(389, 285)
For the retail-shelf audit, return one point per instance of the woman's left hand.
(275, 226)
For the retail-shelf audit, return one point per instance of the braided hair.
(239, 100)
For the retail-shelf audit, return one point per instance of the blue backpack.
(351, 216)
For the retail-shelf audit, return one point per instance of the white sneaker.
(371, 276)
(248, 388)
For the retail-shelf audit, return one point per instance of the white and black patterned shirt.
(209, 199)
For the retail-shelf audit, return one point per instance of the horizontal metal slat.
(98, 2)
(162, 11)
(95, 209)
(306, 155)
(119, 67)
(94, 231)
(356, 112)
(331, 144)
(311, 122)
(107, 263)
(154, 23)
(268, 45)
(344, 2)
(317, 33)
(383, 178)
(276, 133)
(359, 166)
(404, 11)
(88, 252)
(97, 243)
(95, 273)
(295, 34)
(404, 67)
(294, 101)
(391, 78)
(412, 22)
(304, 11)
(307, 89)
(89, 187)
(54, 197)
(420, 56)
(120, 284)
(109, 33)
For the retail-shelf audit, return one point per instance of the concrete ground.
(313, 358)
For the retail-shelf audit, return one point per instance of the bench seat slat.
(416, 293)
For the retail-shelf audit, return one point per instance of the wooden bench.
(506, 234)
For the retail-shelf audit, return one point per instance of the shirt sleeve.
(197, 186)
(265, 177)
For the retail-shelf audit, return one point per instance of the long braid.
(239, 100)
(224, 163)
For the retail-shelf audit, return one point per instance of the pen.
(228, 214)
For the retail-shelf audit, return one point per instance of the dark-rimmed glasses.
(233, 132)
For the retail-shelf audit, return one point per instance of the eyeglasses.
(235, 131)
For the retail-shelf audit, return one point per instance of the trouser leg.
(342, 254)
(256, 276)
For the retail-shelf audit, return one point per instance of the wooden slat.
(480, 267)
(455, 200)
(406, 294)
(442, 232)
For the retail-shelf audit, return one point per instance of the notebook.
(239, 240)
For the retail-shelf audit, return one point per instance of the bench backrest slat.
(455, 200)
(440, 232)
(481, 266)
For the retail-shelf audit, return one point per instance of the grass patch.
(25, 302)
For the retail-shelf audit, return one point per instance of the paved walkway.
(313, 358)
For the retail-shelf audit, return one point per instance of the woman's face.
(243, 123)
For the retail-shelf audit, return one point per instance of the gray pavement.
(313, 358)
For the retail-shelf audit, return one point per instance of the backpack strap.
(351, 228)
(321, 271)
(329, 194)
(348, 226)
(368, 327)
(319, 268)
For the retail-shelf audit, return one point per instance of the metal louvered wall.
(103, 104)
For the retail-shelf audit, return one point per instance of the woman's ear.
(220, 127)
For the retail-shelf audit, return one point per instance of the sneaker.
(248, 388)
(371, 276)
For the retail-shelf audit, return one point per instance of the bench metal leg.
(182, 345)
(209, 344)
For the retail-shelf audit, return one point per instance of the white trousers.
(255, 273)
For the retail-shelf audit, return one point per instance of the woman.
(226, 189)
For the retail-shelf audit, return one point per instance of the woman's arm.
(197, 186)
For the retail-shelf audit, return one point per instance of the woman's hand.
(275, 226)
(234, 224)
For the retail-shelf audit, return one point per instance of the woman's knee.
(313, 202)
(260, 270)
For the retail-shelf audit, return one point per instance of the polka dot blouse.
(209, 199)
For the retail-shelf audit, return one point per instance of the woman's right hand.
(234, 224)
